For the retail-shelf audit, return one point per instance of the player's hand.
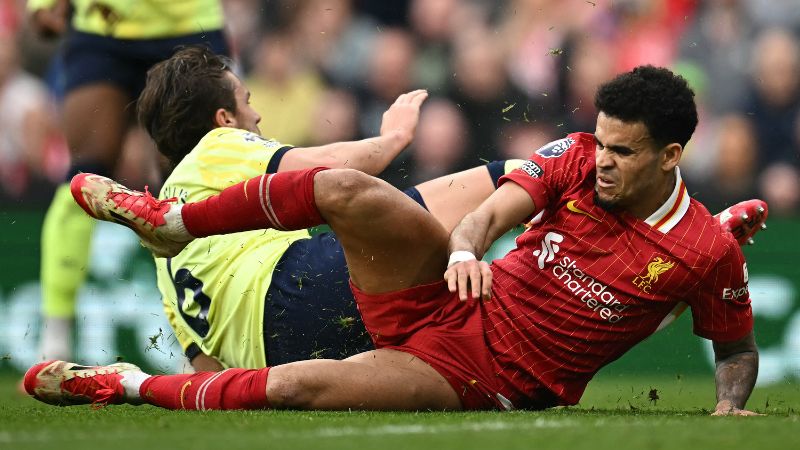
(51, 22)
(744, 219)
(726, 408)
(403, 116)
(472, 279)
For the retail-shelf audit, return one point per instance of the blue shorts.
(309, 310)
(90, 58)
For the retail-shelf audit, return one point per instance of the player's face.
(245, 116)
(631, 174)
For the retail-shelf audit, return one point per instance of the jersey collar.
(673, 210)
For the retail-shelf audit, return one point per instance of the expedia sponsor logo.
(592, 293)
(649, 277)
(739, 295)
(532, 169)
(549, 248)
(556, 148)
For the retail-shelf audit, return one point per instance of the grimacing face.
(633, 174)
(245, 116)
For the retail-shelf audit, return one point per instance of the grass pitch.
(616, 412)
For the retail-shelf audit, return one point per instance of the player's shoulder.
(709, 236)
(225, 137)
(574, 144)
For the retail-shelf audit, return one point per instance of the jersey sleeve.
(721, 311)
(235, 151)
(554, 168)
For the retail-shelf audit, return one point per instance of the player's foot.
(157, 222)
(64, 383)
(744, 219)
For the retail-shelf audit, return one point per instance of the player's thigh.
(376, 380)
(449, 198)
(96, 118)
(390, 241)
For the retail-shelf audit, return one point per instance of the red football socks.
(283, 201)
(229, 389)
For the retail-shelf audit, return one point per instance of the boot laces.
(143, 205)
(94, 386)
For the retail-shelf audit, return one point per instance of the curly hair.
(660, 99)
(180, 98)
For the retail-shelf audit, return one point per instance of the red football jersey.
(584, 285)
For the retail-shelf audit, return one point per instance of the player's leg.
(390, 241)
(95, 121)
(449, 198)
(376, 380)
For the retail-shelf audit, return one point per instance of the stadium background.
(505, 78)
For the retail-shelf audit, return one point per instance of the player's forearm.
(471, 234)
(370, 155)
(735, 378)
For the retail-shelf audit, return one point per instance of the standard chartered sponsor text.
(592, 293)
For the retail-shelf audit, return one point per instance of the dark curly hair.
(660, 99)
(180, 98)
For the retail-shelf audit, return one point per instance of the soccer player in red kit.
(618, 250)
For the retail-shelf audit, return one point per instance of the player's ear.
(224, 118)
(671, 156)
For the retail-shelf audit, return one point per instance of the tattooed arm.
(735, 376)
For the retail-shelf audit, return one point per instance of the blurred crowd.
(505, 77)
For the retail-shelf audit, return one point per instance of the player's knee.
(340, 189)
(285, 389)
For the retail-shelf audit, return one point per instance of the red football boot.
(157, 222)
(64, 383)
(744, 219)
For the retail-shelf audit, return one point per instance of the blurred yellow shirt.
(141, 19)
(287, 111)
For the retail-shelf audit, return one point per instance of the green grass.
(615, 413)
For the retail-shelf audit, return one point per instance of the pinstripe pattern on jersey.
(560, 324)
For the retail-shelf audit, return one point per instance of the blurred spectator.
(387, 12)
(335, 38)
(645, 34)
(532, 34)
(718, 41)
(483, 91)
(33, 157)
(583, 73)
(519, 72)
(390, 74)
(732, 176)
(773, 107)
(241, 25)
(335, 118)
(785, 13)
(435, 23)
(440, 142)
(284, 90)
(525, 138)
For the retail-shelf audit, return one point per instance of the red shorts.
(434, 325)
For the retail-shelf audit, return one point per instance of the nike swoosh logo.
(183, 390)
(571, 206)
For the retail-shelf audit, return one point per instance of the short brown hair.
(180, 98)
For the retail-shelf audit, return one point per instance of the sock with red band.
(229, 389)
(283, 201)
